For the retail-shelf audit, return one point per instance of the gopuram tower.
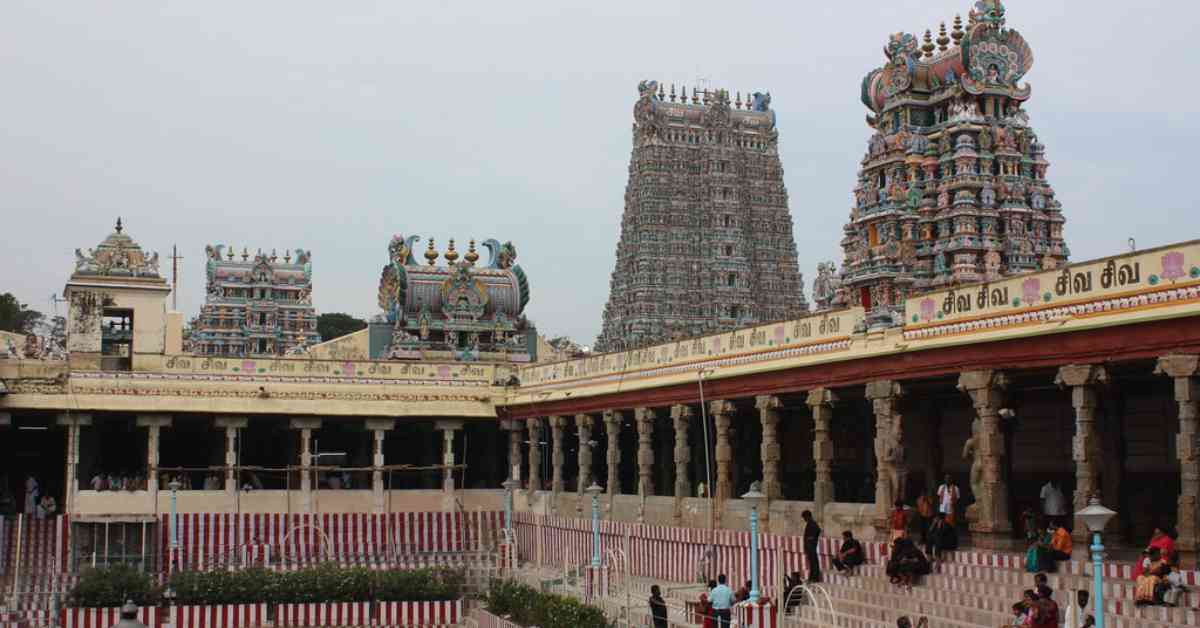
(953, 186)
(706, 237)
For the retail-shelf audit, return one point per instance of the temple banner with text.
(1141, 271)
(810, 330)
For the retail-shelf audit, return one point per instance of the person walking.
(658, 607)
(812, 536)
(721, 598)
(948, 496)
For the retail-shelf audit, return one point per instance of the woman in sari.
(1154, 569)
(706, 609)
(1165, 545)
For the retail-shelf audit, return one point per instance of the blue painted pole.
(1098, 577)
(174, 522)
(508, 508)
(595, 530)
(754, 555)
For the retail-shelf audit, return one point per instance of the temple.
(958, 345)
(706, 237)
(953, 185)
(255, 305)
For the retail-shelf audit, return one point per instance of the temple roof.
(118, 255)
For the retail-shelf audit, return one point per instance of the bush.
(111, 586)
(527, 606)
(323, 583)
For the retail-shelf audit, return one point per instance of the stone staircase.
(971, 588)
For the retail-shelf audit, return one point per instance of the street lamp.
(754, 497)
(1095, 516)
(174, 486)
(594, 490)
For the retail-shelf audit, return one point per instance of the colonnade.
(988, 392)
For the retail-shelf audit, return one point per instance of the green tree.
(337, 324)
(16, 316)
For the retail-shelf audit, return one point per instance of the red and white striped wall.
(102, 617)
(488, 620)
(420, 614)
(323, 614)
(749, 615)
(207, 539)
(221, 616)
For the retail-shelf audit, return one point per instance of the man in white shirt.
(721, 598)
(1054, 504)
(947, 496)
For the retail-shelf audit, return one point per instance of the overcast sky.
(333, 125)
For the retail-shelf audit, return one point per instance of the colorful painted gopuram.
(953, 185)
(706, 237)
(256, 304)
(460, 311)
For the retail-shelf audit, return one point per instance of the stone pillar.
(584, 423)
(153, 424)
(557, 424)
(1084, 380)
(722, 413)
(1185, 370)
(306, 426)
(989, 513)
(379, 429)
(231, 426)
(448, 428)
(821, 401)
(513, 427)
(645, 456)
(535, 453)
(612, 430)
(768, 412)
(681, 416)
(890, 462)
(73, 423)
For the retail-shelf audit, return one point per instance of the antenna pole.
(175, 277)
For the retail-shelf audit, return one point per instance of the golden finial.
(119, 227)
(274, 256)
(695, 96)
(231, 252)
(942, 39)
(662, 94)
(431, 254)
(672, 92)
(471, 257)
(287, 256)
(245, 253)
(451, 255)
(928, 45)
(958, 33)
(738, 103)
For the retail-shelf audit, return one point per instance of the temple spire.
(119, 227)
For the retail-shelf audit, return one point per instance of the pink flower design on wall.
(928, 306)
(248, 365)
(443, 371)
(1172, 265)
(348, 368)
(779, 334)
(1031, 290)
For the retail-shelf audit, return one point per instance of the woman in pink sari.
(1165, 545)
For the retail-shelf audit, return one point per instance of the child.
(1019, 618)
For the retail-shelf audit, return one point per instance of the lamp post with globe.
(755, 498)
(1095, 516)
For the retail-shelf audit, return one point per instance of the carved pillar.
(1185, 369)
(153, 424)
(584, 423)
(612, 429)
(989, 513)
(821, 401)
(448, 428)
(306, 426)
(645, 457)
(681, 416)
(890, 462)
(722, 412)
(768, 413)
(534, 427)
(557, 423)
(513, 427)
(1084, 380)
(379, 429)
(73, 422)
(231, 426)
